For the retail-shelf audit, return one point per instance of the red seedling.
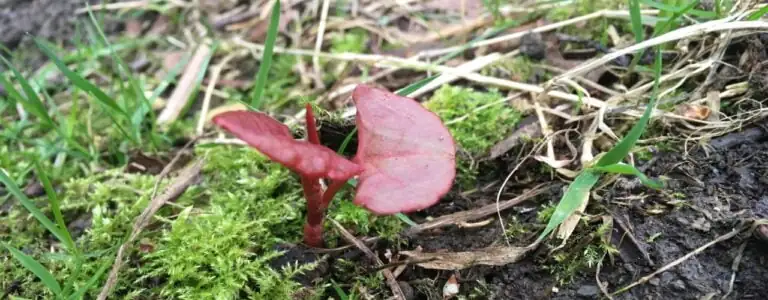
(405, 158)
(408, 156)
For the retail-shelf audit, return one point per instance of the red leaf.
(407, 154)
(274, 140)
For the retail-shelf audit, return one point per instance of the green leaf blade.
(621, 150)
(266, 58)
(571, 200)
(625, 169)
(36, 268)
(12, 188)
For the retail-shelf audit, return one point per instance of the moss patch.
(214, 242)
(477, 120)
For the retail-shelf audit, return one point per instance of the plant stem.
(312, 136)
(333, 188)
(313, 192)
(313, 229)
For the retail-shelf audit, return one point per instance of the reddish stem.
(313, 229)
(333, 188)
(313, 192)
(312, 136)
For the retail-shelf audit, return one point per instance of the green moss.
(353, 41)
(214, 242)
(519, 68)
(477, 120)
(362, 222)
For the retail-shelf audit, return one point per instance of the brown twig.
(680, 260)
(186, 178)
(391, 281)
(475, 214)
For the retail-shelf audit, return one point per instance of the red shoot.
(405, 159)
(407, 154)
(309, 159)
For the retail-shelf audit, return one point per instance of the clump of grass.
(477, 120)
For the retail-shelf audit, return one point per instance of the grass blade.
(625, 169)
(53, 199)
(36, 268)
(90, 88)
(637, 20)
(618, 152)
(688, 9)
(12, 188)
(31, 102)
(266, 58)
(571, 201)
(92, 281)
(80, 82)
(667, 25)
(143, 108)
(415, 86)
(758, 14)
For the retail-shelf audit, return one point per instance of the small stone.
(667, 277)
(678, 285)
(587, 291)
(654, 281)
(533, 46)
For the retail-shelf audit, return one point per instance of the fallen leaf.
(693, 111)
(491, 256)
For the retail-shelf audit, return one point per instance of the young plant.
(57, 228)
(405, 157)
(609, 163)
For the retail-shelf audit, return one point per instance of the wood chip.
(491, 256)
(181, 94)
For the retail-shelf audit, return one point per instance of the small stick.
(319, 45)
(735, 268)
(185, 179)
(679, 260)
(475, 214)
(391, 281)
(209, 91)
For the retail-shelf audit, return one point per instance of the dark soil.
(708, 195)
(52, 20)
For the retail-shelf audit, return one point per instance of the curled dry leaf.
(407, 154)
(491, 256)
(693, 111)
(274, 140)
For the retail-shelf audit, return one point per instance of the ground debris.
(490, 256)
